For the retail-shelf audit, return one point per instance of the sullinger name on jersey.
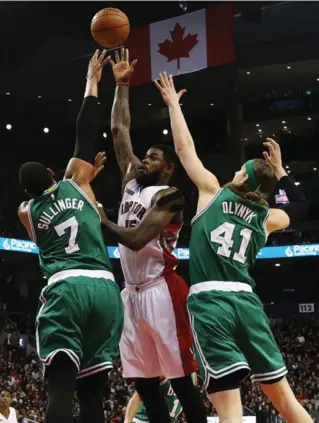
(56, 208)
(238, 210)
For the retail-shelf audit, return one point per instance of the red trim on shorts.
(179, 291)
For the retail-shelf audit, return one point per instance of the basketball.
(110, 27)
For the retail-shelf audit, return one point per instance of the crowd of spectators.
(298, 339)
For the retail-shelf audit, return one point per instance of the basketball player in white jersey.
(156, 339)
(7, 413)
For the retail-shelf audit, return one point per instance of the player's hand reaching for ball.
(96, 65)
(122, 69)
(273, 157)
(166, 87)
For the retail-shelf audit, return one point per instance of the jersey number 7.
(73, 224)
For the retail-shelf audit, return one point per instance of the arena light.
(288, 67)
(149, 104)
(297, 183)
(165, 131)
(283, 122)
(257, 124)
(7, 93)
(287, 167)
(247, 73)
(104, 135)
(314, 168)
(260, 130)
(309, 118)
(212, 104)
(318, 79)
(277, 264)
(46, 130)
(285, 127)
(39, 96)
(8, 127)
(69, 100)
(98, 102)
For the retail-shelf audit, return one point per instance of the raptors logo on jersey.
(156, 258)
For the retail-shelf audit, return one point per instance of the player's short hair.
(35, 178)
(169, 153)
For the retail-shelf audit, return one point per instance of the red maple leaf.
(179, 46)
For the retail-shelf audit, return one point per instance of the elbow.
(119, 128)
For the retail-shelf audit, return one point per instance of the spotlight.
(257, 124)
(314, 168)
(149, 104)
(165, 131)
(39, 96)
(260, 130)
(247, 73)
(104, 135)
(70, 99)
(277, 265)
(212, 104)
(7, 93)
(8, 127)
(309, 118)
(283, 122)
(46, 130)
(288, 67)
(285, 127)
(297, 183)
(98, 102)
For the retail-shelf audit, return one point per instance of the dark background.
(230, 110)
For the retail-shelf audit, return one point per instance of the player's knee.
(228, 406)
(90, 389)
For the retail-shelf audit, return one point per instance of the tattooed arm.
(120, 117)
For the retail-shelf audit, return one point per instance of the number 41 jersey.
(226, 238)
(66, 227)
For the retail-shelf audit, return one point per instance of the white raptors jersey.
(156, 257)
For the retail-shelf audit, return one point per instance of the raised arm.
(183, 141)
(120, 116)
(81, 167)
(291, 213)
(168, 204)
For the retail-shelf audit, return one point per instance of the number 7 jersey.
(226, 238)
(66, 227)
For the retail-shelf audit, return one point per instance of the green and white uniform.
(80, 310)
(174, 406)
(230, 328)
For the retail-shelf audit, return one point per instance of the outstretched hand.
(167, 89)
(273, 155)
(96, 65)
(98, 166)
(122, 69)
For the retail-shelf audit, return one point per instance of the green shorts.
(82, 317)
(232, 334)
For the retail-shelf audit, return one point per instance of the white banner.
(307, 308)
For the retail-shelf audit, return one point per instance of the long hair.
(266, 180)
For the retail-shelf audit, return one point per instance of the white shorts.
(156, 338)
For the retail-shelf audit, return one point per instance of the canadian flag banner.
(183, 44)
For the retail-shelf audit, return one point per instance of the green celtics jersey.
(174, 406)
(226, 238)
(67, 229)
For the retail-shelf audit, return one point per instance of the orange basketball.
(110, 27)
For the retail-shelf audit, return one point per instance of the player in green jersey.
(231, 331)
(136, 412)
(79, 322)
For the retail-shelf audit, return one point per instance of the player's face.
(240, 176)
(152, 167)
(5, 399)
